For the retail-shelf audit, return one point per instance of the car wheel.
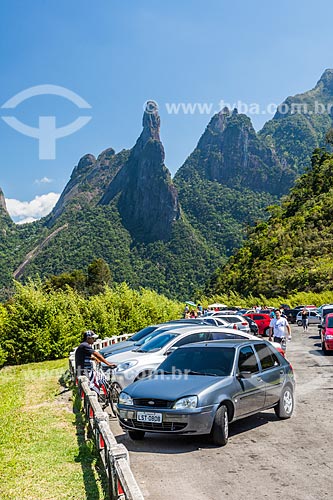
(266, 332)
(324, 347)
(285, 406)
(136, 435)
(220, 429)
(299, 323)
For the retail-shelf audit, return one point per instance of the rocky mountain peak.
(151, 125)
(4, 215)
(147, 198)
(2, 201)
(326, 81)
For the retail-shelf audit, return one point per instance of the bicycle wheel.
(114, 396)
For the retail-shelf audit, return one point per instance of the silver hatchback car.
(201, 388)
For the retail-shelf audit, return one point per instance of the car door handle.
(259, 379)
(281, 372)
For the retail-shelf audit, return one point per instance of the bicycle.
(107, 392)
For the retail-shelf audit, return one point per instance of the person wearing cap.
(84, 355)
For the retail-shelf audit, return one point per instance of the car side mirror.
(244, 374)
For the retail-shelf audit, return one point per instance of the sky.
(91, 66)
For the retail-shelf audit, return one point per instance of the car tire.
(136, 435)
(324, 347)
(266, 332)
(285, 407)
(220, 429)
(299, 323)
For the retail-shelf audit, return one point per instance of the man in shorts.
(277, 327)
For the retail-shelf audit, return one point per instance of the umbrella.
(190, 303)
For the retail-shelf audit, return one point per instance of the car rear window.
(327, 311)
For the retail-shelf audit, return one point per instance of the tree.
(99, 275)
(75, 279)
(329, 137)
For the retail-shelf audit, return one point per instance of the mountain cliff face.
(4, 215)
(124, 208)
(145, 195)
(88, 182)
(229, 179)
(300, 124)
(231, 153)
(164, 234)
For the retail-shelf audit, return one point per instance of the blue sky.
(116, 55)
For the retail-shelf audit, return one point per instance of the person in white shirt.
(277, 327)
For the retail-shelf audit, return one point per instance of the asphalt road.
(264, 459)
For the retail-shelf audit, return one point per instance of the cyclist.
(84, 355)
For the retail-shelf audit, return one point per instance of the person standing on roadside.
(305, 319)
(277, 327)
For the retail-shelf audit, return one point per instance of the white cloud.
(43, 180)
(28, 211)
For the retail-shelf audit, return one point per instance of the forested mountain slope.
(293, 250)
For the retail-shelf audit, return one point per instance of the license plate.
(144, 416)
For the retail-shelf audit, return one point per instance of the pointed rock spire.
(326, 81)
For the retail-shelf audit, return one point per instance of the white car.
(241, 322)
(140, 363)
(313, 317)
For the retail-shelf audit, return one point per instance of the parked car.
(143, 335)
(291, 315)
(313, 317)
(202, 388)
(262, 320)
(212, 320)
(141, 362)
(240, 321)
(326, 333)
(254, 329)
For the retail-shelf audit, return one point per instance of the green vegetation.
(39, 324)
(292, 252)
(301, 124)
(43, 452)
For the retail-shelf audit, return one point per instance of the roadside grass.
(44, 453)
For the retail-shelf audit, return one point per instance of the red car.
(327, 333)
(262, 320)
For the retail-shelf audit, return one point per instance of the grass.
(44, 453)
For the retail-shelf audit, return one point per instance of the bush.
(39, 324)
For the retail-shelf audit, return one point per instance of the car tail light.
(244, 324)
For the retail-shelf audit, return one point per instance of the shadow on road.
(175, 444)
